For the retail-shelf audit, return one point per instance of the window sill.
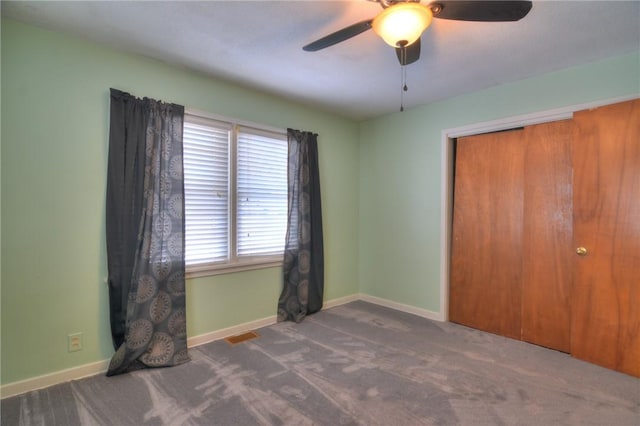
(197, 271)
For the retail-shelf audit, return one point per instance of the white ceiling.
(259, 44)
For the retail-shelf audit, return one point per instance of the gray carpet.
(356, 364)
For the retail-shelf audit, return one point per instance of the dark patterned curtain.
(303, 268)
(145, 234)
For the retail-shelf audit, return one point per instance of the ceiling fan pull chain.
(403, 84)
(403, 76)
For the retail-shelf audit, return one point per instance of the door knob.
(581, 251)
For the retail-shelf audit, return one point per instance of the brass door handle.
(581, 251)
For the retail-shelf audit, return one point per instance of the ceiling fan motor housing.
(387, 3)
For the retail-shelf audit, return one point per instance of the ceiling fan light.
(402, 24)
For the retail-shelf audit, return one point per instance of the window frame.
(234, 263)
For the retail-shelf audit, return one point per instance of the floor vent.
(234, 340)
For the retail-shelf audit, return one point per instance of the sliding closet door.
(512, 241)
(606, 301)
(547, 236)
(485, 278)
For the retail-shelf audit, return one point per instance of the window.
(235, 179)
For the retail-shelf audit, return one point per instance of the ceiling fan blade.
(338, 36)
(480, 10)
(411, 53)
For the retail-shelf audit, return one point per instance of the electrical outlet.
(74, 342)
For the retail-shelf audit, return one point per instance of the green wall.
(55, 105)
(400, 171)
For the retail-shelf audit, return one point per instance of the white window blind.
(235, 181)
(262, 192)
(206, 190)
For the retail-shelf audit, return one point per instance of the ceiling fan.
(402, 22)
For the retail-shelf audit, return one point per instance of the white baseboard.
(340, 301)
(425, 313)
(100, 367)
(253, 325)
(230, 331)
(57, 377)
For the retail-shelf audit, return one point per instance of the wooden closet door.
(547, 235)
(606, 296)
(485, 276)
